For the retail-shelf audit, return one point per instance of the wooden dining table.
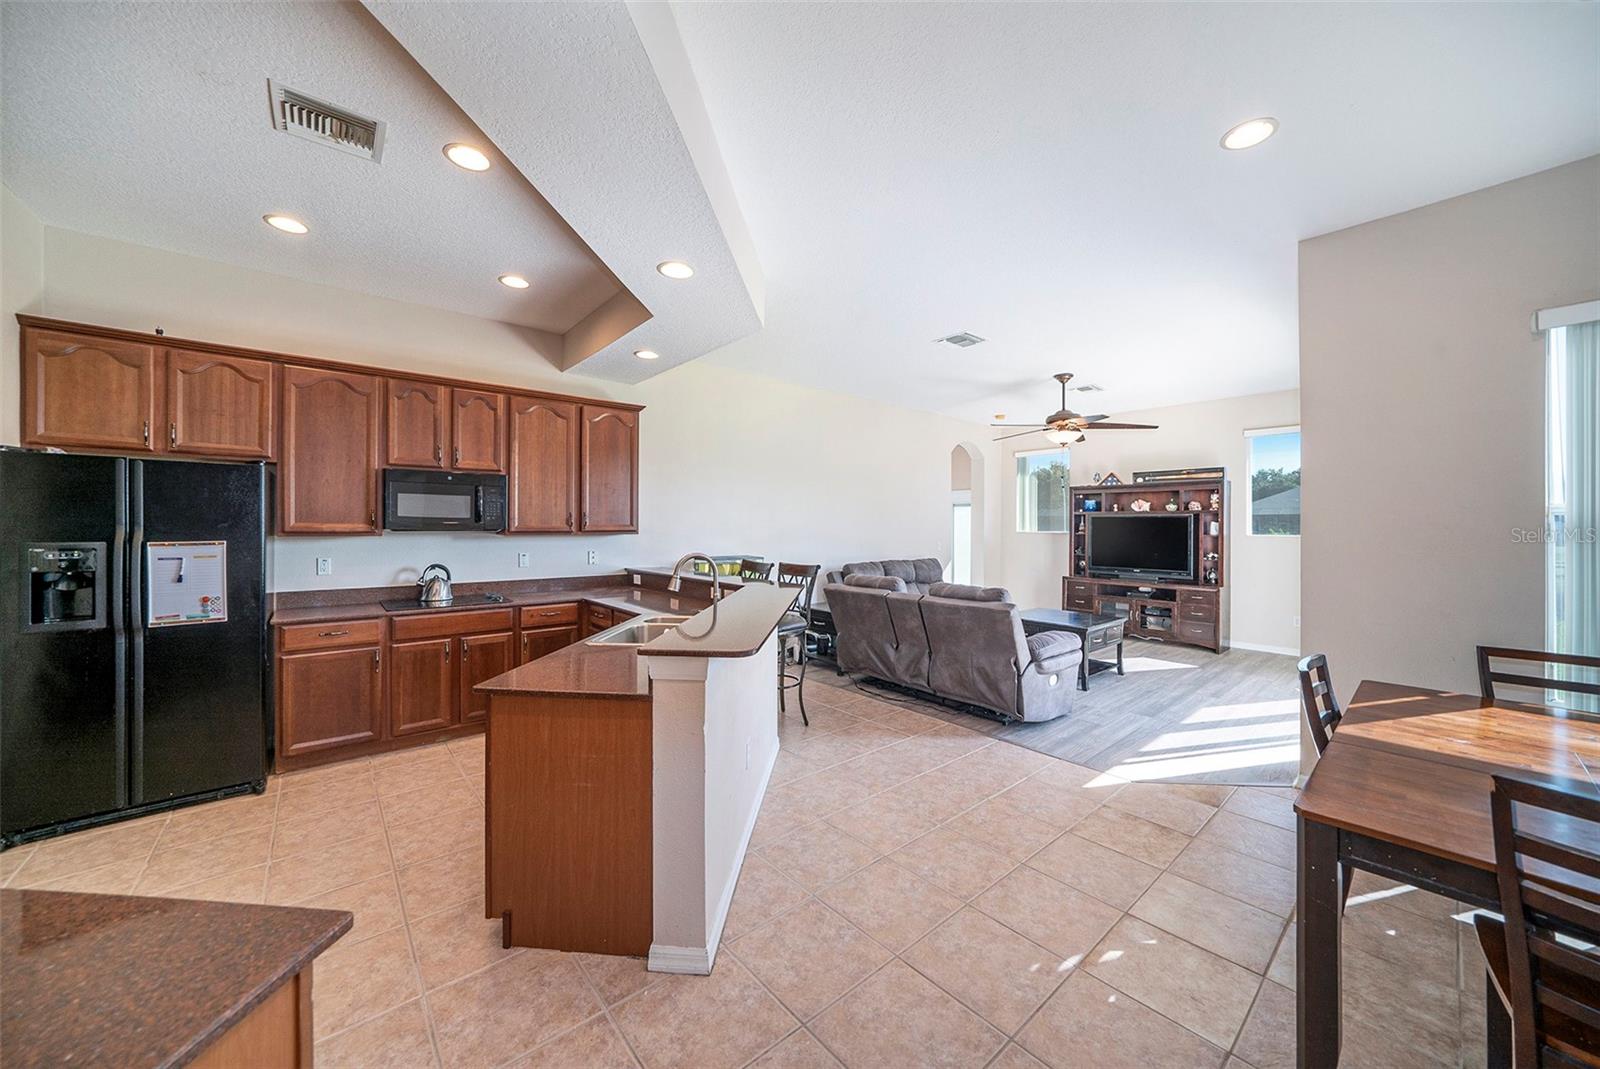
(1403, 791)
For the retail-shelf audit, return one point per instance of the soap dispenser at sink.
(435, 588)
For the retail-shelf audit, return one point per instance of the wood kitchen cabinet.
(220, 406)
(329, 698)
(89, 392)
(547, 628)
(477, 430)
(542, 461)
(421, 679)
(328, 464)
(609, 469)
(482, 657)
(418, 424)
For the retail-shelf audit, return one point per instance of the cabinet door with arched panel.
(477, 430)
(542, 461)
(418, 423)
(609, 480)
(221, 406)
(86, 392)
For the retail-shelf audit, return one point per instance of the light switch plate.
(324, 565)
(594, 556)
(522, 560)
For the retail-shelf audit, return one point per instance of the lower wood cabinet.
(539, 641)
(329, 699)
(420, 679)
(482, 657)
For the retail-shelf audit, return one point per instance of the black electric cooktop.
(462, 601)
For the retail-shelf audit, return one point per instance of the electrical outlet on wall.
(522, 560)
(747, 755)
(594, 556)
(324, 565)
(1297, 621)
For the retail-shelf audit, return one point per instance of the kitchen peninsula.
(624, 775)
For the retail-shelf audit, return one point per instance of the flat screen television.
(1141, 545)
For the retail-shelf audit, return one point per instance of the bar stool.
(755, 571)
(795, 622)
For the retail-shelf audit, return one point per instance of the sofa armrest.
(1050, 646)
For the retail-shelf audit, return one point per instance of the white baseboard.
(1289, 651)
(690, 961)
(697, 961)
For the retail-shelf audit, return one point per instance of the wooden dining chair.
(1488, 676)
(1317, 700)
(755, 571)
(1543, 960)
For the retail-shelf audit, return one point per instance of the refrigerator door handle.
(136, 603)
(119, 631)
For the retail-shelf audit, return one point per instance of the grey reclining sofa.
(918, 575)
(962, 643)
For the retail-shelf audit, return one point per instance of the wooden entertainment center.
(1190, 614)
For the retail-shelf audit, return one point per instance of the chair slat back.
(755, 571)
(1317, 700)
(803, 576)
(1489, 675)
(1550, 895)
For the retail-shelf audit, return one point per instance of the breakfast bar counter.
(601, 758)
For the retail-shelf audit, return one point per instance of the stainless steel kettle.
(435, 588)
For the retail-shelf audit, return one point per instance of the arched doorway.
(966, 514)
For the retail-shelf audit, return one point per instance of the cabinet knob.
(377, 659)
(456, 456)
(146, 432)
(331, 634)
(438, 452)
(172, 434)
(569, 521)
(463, 647)
(447, 651)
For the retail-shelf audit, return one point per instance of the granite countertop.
(619, 596)
(737, 626)
(126, 981)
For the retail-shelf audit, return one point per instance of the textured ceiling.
(570, 94)
(1048, 176)
(150, 123)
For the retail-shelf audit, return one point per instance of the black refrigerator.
(132, 637)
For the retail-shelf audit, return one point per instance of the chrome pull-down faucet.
(675, 584)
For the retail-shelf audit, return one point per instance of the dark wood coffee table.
(1097, 630)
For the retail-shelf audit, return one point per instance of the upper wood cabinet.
(220, 406)
(609, 481)
(328, 467)
(89, 392)
(542, 460)
(418, 423)
(477, 430)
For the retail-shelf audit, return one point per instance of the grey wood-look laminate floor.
(1179, 714)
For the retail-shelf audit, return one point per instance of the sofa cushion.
(962, 592)
(876, 582)
(1047, 644)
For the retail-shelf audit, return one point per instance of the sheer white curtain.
(1573, 492)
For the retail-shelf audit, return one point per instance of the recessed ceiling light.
(516, 282)
(675, 269)
(466, 157)
(647, 354)
(286, 223)
(1250, 133)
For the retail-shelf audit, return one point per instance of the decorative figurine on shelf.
(1111, 480)
(1211, 568)
(1216, 501)
(1172, 506)
(1096, 478)
(1139, 505)
(1194, 506)
(1091, 504)
(1211, 576)
(1115, 507)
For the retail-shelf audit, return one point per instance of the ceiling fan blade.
(1123, 427)
(1005, 437)
(1019, 424)
(1093, 419)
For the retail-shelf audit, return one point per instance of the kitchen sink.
(638, 632)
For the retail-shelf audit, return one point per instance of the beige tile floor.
(916, 895)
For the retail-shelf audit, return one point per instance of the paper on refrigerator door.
(187, 583)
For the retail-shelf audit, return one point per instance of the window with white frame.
(1274, 498)
(1042, 494)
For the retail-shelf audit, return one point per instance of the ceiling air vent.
(1088, 387)
(327, 124)
(963, 340)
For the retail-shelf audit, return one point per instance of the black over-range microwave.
(443, 501)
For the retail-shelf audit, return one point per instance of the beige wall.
(21, 290)
(730, 463)
(1423, 414)
(1263, 572)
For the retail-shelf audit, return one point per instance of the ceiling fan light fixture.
(1064, 435)
(1250, 133)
